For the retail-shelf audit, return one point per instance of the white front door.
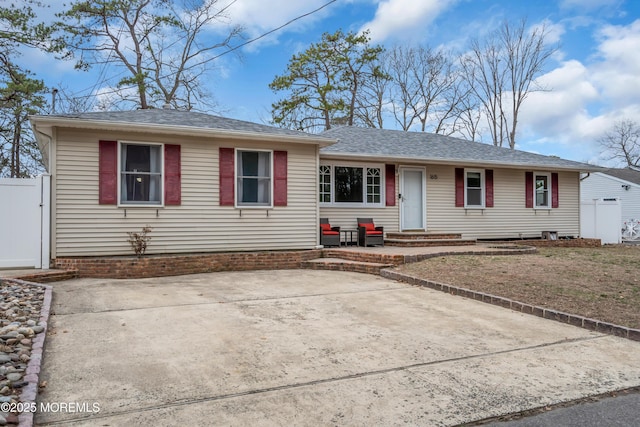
(412, 199)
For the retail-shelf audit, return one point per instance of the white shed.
(620, 184)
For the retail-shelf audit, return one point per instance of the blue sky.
(594, 78)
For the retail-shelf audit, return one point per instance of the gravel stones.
(20, 307)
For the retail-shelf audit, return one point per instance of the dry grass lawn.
(599, 283)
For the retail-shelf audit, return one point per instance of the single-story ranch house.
(212, 184)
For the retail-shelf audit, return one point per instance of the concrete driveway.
(303, 347)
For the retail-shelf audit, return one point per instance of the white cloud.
(586, 98)
(554, 31)
(561, 107)
(398, 18)
(259, 16)
(618, 71)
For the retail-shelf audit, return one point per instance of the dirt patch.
(600, 283)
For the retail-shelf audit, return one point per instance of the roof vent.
(166, 106)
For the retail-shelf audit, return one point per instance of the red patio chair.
(329, 236)
(369, 234)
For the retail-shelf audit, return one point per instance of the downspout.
(585, 177)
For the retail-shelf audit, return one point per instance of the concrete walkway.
(301, 347)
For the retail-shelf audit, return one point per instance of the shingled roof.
(428, 147)
(626, 174)
(176, 120)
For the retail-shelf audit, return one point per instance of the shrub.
(139, 241)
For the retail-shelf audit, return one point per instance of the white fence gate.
(601, 219)
(24, 222)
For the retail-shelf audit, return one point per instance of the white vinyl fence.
(24, 222)
(601, 219)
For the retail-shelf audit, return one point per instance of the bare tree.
(65, 102)
(372, 101)
(469, 114)
(163, 46)
(502, 71)
(404, 91)
(426, 88)
(486, 78)
(622, 143)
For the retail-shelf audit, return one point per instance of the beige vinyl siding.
(509, 217)
(82, 227)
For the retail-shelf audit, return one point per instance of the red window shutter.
(390, 184)
(528, 189)
(459, 187)
(227, 176)
(555, 202)
(172, 175)
(488, 183)
(279, 178)
(108, 173)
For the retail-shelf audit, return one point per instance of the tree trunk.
(15, 150)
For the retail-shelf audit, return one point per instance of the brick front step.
(429, 242)
(421, 235)
(49, 276)
(338, 264)
(367, 257)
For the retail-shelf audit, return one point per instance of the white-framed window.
(349, 185)
(542, 190)
(374, 185)
(254, 174)
(141, 171)
(324, 183)
(474, 188)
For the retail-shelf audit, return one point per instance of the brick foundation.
(174, 265)
(130, 267)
